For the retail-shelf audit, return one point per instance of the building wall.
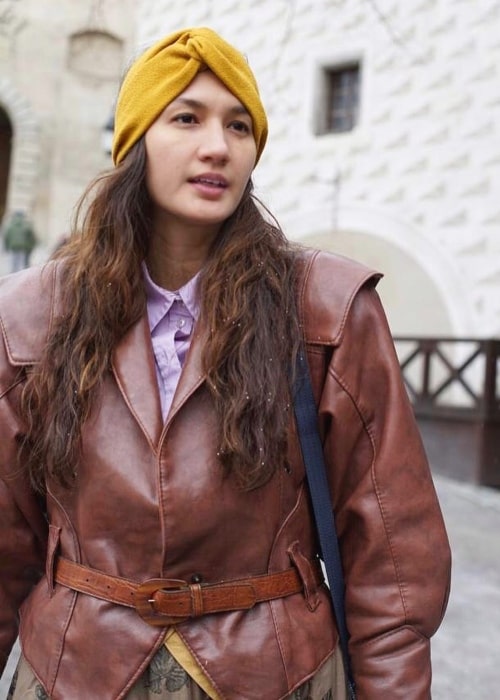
(60, 66)
(413, 189)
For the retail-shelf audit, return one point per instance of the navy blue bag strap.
(312, 452)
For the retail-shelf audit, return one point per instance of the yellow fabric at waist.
(185, 658)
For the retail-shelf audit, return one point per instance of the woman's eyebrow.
(189, 102)
(197, 104)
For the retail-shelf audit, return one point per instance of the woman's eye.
(240, 126)
(185, 118)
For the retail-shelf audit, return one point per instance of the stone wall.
(60, 66)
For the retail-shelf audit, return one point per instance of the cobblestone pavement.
(467, 646)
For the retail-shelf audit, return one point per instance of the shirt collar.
(159, 300)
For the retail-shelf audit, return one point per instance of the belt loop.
(197, 598)
(306, 573)
(52, 547)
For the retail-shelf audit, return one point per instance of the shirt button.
(181, 323)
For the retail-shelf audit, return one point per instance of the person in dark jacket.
(19, 240)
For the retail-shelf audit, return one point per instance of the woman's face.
(200, 156)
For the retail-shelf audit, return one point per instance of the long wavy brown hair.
(248, 301)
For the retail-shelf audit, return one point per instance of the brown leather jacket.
(151, 502)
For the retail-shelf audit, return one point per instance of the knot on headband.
(165, 70)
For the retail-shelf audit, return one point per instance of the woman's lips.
(209, 183)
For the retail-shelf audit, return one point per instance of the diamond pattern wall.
(427, 149)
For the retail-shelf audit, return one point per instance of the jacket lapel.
(133, 365)
(193, 374)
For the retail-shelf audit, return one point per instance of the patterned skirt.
(165, 679)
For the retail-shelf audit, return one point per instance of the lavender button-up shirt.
(172, 316)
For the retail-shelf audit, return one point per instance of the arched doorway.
(5, 157)
(412, 301)
(422, 291)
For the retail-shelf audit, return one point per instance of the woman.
(156, 529)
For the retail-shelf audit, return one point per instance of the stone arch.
(24, 156)
(423, 293)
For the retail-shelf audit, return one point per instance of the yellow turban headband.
(166, 69)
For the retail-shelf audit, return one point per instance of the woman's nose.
(214, 143)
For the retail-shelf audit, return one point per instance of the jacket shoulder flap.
(26, 311)
(328, 287)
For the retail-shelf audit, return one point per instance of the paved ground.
(466, 649)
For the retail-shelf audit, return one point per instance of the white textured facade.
(414, 189)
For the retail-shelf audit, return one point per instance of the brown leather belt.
(162, 602)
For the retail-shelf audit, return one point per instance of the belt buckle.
(145, 601)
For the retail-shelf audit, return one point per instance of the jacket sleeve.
(22, 524)
(393, 541)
